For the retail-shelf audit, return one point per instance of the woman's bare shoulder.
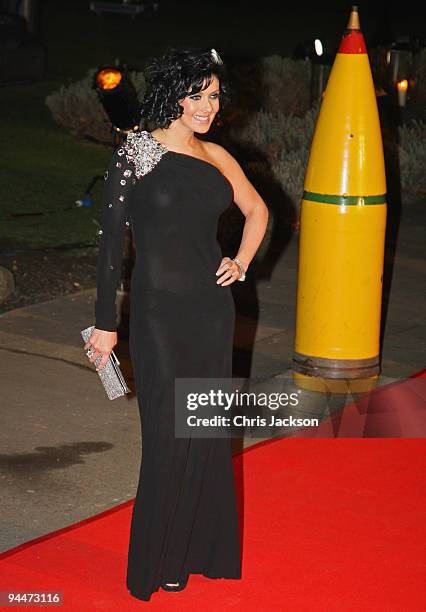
(221, 157)
(245, 195)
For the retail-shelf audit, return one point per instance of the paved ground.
(68, 452)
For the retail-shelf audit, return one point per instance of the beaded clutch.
(111, 376)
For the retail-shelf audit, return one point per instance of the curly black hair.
(178, 73)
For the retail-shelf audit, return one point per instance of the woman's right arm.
(114, 222)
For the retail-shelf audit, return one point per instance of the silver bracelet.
(242, 276)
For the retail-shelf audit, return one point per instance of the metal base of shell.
(336, 368)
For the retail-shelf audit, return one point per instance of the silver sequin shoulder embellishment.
(144, 151)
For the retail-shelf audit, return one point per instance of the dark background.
(77, 39)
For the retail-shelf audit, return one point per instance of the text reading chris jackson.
(244, 421)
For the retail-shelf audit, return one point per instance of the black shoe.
(178, 587)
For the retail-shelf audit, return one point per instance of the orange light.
(402, 85)
(109, 78)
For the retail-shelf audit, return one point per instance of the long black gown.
(181, 325)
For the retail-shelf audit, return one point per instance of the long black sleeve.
(114, 222)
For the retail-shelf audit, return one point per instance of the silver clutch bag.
(111, 376)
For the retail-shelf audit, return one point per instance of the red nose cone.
(352, 42)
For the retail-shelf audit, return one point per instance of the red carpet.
(330, 525)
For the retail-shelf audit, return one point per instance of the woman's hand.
(101, 342)
(230, 272)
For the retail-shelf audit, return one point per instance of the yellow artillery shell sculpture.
(342, 226)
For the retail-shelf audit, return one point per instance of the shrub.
(273, 133)
(272, 83)
(277, 147)
(77, 107)
(412, 159)
(289, 170)
(284, 84)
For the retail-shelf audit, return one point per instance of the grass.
(44, 169)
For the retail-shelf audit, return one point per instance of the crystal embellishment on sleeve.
(144, 151)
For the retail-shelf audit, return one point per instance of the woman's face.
(200, 109)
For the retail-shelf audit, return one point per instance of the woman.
(170, 187)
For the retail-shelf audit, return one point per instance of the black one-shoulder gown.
(181, 325)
